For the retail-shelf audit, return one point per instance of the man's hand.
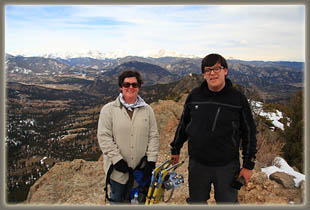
(246, 173)
(175, 159)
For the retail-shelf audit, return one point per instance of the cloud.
(234, 30)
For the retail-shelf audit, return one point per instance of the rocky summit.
(82, 182)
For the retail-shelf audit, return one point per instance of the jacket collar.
(117, 102)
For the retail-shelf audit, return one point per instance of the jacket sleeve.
(153, 143)
(248, 135)
(180, 135)
(105, 135)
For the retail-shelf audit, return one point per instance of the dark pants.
(117, 192)
(201, 177)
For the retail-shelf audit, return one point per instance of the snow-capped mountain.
(96, 54)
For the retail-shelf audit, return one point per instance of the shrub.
(293, 133)
(269, 145)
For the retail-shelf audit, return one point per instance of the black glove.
(121, 166)
(149, 167)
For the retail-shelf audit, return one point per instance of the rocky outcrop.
(82, 182)
(78, 182)
(261, 190)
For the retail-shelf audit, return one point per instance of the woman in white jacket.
(127, 131)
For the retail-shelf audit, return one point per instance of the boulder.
(285, 179)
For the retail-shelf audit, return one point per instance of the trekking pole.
(158, 189)
(154, 181)
(151, 187)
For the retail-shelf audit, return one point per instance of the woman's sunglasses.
(127, 85)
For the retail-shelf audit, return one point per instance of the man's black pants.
(201, 177)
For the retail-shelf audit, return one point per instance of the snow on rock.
(274, 117)
(280, 165)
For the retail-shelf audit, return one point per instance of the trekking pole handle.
(175, 165)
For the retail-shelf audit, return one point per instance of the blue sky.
(249, 32)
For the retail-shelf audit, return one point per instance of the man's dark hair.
(129, 73)
(211, 60)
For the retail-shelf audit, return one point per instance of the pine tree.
(293, 132)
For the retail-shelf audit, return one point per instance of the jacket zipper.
(216, 117)
(234, 133)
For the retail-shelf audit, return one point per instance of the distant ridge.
(275, 81)
(96, 54)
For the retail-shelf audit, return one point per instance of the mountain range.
(274, 81)
(96, 54)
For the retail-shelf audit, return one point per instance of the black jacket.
(214, 124)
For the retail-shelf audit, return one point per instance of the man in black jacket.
(216, 121)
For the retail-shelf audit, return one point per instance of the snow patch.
(280, 165)
(274, 117)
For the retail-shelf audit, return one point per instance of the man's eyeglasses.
(216, 69)
(127, 85)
